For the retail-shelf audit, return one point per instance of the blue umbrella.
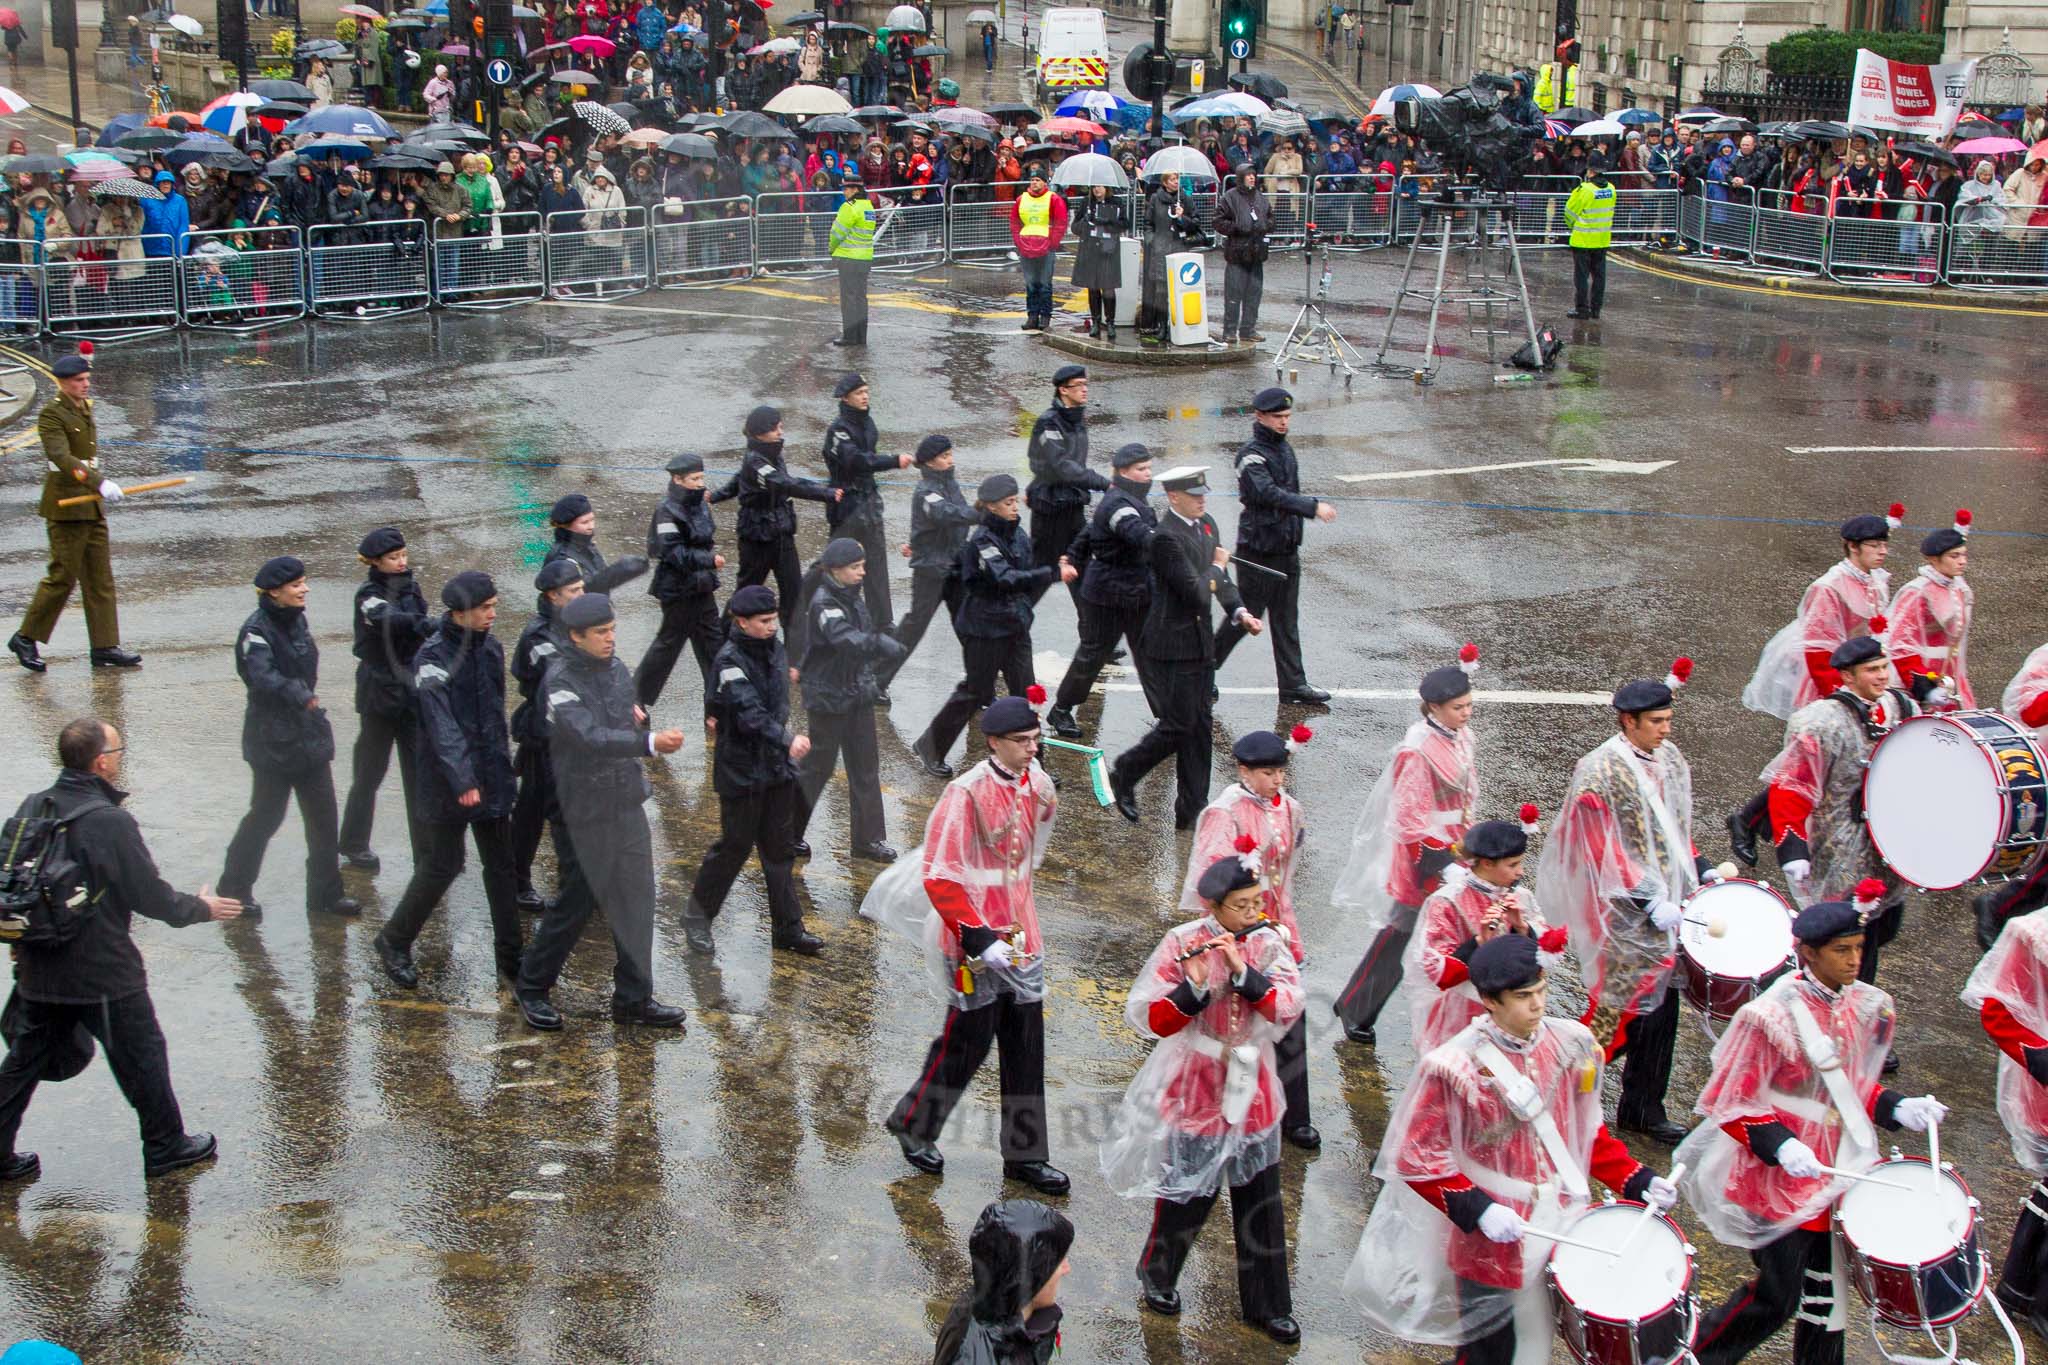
(1088, 104)
(434, 7)
(346, 120)
(119, 124)
(1636, 117)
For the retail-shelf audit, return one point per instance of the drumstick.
(131, 488)
(1838, 1173)
(1565, 1241)
(1934, 1145)
(1649, 1210)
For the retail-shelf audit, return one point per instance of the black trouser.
(620, 877)
(1102, 307)
(126, 1028)
(929, 590)
(759, 558)
(693, 619)
(1882, 929)
(531, 811)
(875, 587)
(1009, 655)
(2026, 1259)
(1483, 1301)
(2015, 898)
(1792, 1277)
(1181, 689)
(1258, 1223)
(763, 819)
(441, 859)
(1017, 1031)
(1279, 601)
(1647, 1045)
(372, 759)
(853, 299)
(1589, 277)
(1051, 534)
(853, 733)
(1101, 628)
(269, 789)
(1290, 1059)
(1378, 973)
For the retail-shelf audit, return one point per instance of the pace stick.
(126, 492)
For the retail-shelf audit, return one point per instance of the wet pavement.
(414, 1175)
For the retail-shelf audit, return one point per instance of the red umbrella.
(592, 44)
(1071, 125)
(2039, 151)
(9, 19)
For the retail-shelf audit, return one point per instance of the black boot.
(26, 651)
(1989, 923)
(697, 927)
(2019, 1283)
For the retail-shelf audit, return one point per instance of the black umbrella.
(561, 128)
(690, 144)
(1267, 88)
(1921, 151)
(1573, 114)
(973, 130)
(35, 163)
(1728, 125)
(809, 16)
(283, 109)
(1052, 149)
(1007, 112)
(282, 90)
(748, 123)
(626, 109)
(227, 159)
(401, 161)
(876, 112)
(703, 120)
(832, 123)
(320, 47)
(149, 139)
(406, 21)
(1821, 130)
(840, 26)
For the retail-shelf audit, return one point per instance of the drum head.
(1933, 803)
(1755, 927)
(1639, 1285)
(1904, 1227)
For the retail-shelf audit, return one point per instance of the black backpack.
(46, 893)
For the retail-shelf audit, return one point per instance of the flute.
(1263, 922)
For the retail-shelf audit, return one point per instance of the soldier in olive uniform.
(80, 555)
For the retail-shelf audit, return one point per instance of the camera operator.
(1244, 217)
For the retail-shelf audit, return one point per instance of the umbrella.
(34, 163)
(91, 171)
(931, 50)
(982, 16)
(1088, 102)
(1009, 112)
(1601, 127)
(1554, 130)
(116, 126)
(363, 12)
(11, 103)
(1921, 151)
(1384, 105)
(701, 122)
(406, 21)
(148, 139)
(625, 109)
(599, 117)
(228, 115)
(392, 161)
(1699, 113)
(1265, 87)
(127, 187)
(1088, 170)
(455, 49)
(1728, 125)
(747, 123)
(591, 45)
(841, 26)
(571, 76)
(1976, 146)
(1820, 130)
(1574, 115)
(1178, 161)
(807, 99)
(644, 137)
(1233, 102)
(1636, 117)
(905, 19)
(960, 116)
(1039, 150)
(877, 112)
(320, 47)
(347, 148)
(1084, 126)
(465, 133)
(548, 53)
(525, 12)
(809, 16)
(279, 111)
(2038, 151)
(690, 144)
(9, 19)
(832, 123)
(346, 120)
(774, 45)
(282, 90)
(226, 158)
(683, 30)
(186, 25)
(1283, 123)
(975, 131)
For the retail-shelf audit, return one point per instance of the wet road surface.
(415, 1175)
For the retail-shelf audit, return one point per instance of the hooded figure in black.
(683, 544)
(1012, 1316)
(392, 622)
(852, 459)
(764, 487)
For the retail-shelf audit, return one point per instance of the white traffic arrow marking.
(1567, 466)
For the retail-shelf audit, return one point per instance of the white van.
(1073, 52)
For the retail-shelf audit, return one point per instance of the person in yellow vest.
(853, 248)
(1555, 91)
(1038, 222)
(1589, 212)
(80, 555)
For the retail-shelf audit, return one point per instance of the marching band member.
(1496, 1135)
(1256, 818)
(1930, 619)
(2009, 990)
(2026, 701)
(1618, 866)
(1838, 605)
(1424, 800)
(1470, 909)
(1204, 1111)
(966, 898)
(1816, 789)
(1793, 1095)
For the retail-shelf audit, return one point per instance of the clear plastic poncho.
(1622, 842)
(2015, 973)
(1173, 1137)
(987, 835)
(1823, 763)
(1450, 915)
(2026, 686)
(1931, 618)
(1762, 1071)
(1454, 1120)
(1836, 606)
(1277, 828)
(1428, 790)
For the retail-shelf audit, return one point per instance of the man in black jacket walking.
(1061, 480)
(683, 543)
(1269, 537)
(767, 522)
(465, 776)
(1243, 219)
(754, 771)
(287, 743)
(852, 459)
(559, 583)
(1114, 554)
(940, 518)
(841, 652)
(391, 623)
(598, 736)
(96, 980)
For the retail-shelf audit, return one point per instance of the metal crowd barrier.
(366, 273)
(711, 242)
(21, 287)
(910, 233)
(244, 279)
(597, 251)
(110, 298)
(2010, 257)
(978, 225)
(498, 269)
(792, 239)
(1790, 236)
(1888, 250)
(1354, 212)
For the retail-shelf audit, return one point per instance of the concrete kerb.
(1691, 266)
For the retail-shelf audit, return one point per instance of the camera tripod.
(1313, 339)
(1481, 229)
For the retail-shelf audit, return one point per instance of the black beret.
(71, 366)
(995, 488)
(1272, 400)
(842, 551)
(1634, 698)
(558, 573)
(1067, 374)
(1225, 875)
(763, 420)
(591, 609)
(567, 508)
(1505, 964)
(1866, 527)
(1128, 455)
(277, 572)
(1260, 749)
(685, 463)
(1495, 839)
(931, 447)
(1942, 541)
(1857, 649)
(1008, 716)
(848, 382)
(753, 600)
(381, 542)
(1826, 921)
(470, 588)
(1448, 683)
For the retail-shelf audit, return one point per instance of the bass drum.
(1957, 798)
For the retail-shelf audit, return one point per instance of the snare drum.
(1912, 1254)
(1951, 799)
(1724, 972)
(1636, 1309)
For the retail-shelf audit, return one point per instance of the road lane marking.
(1567, 466)
(1912, 450)
(1782, 293)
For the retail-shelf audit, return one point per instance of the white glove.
(1797, 1160)
(999, 954)
(1662, 1195)
(1920, 1113)
(110, 492)
(1796, 873)
(1711, 875)
(1500, 1224)
(1940, 696)
(1666, 914)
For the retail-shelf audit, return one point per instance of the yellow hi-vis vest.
(1034, 214)
(1590, 212)
(1546, 93)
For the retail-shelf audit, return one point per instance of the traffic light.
(1241, 21)
(64, 24)
(498, 30)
